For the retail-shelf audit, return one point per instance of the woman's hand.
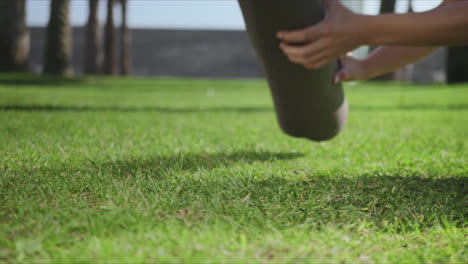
(382, 60)
(317, 45)
(352, 69)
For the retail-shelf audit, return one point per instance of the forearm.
(389, 58)
(442, 26)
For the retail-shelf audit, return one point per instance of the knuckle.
(323, 62)
(311, 62)
(294, 60)
(302, 53)
(310, 32)
(308, 52)
(325, 29)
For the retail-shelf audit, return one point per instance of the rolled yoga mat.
(307, 103)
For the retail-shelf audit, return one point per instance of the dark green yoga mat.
(307, 104)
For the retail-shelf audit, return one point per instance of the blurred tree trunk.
(405, 73)
(125, 42)
(410, 6)
(58, 49)
(109, 43)
(93, 51)
(386, 6)
(14, 36)
(457, 64)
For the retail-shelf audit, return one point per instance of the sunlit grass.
(173, 170)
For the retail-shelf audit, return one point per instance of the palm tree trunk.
(59, 39)
(93, 51)
(410, 6)
(14, 36)
(405, 73)
(125, 42)
(457, 64)
(109, 45)
(386, 6)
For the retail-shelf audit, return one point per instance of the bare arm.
(389, 58)
(342, 31)
(382, 60)
(442, 26)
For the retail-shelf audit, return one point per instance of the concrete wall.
(206, 53)
(184, 53)
(431, 69)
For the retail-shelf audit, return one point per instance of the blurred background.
(191, 38)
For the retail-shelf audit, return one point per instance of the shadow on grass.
(27, 79)
(289, 198)
(130, 109)
(192, 161)
(181, 110)
(417, 107)
(281, 196)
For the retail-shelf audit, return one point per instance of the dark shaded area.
(457, 64)
(41, 81)
(186, 110)
(193, 161)
(410, 202)
(19, 79)
(14, 36)
(416, 107)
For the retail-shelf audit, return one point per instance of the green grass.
(173, 170)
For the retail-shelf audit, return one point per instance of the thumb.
(341, 76)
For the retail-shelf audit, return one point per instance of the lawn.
(183, 170)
